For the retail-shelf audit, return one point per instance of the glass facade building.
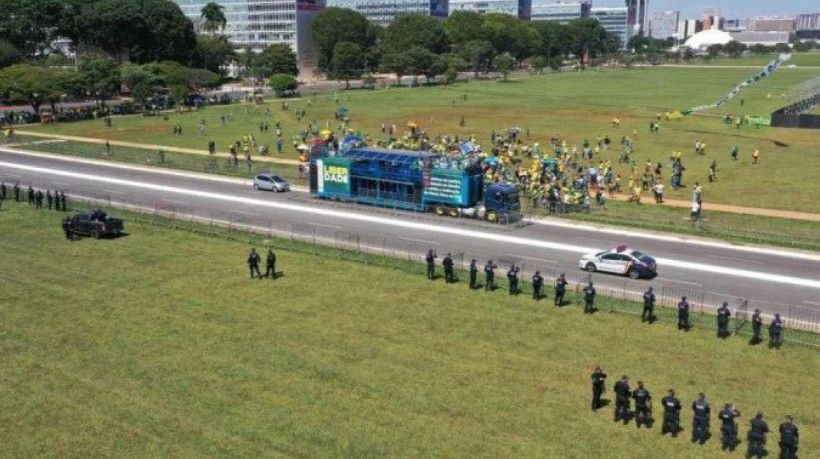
(257, 24)
(560, 12)
(382, 12)
(613, 19)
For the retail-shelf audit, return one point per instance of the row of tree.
(417, 44)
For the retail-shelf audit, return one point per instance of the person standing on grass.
(622, 394)
(700, 421)
(560, 289)
(3, 191)
(757, 437)
(63, 201)
(473, 274)
(489, 276)
(49, 199)
(30, 195)
(789, 437)
(757, 326)
(648, 306)
(755, 156)
(683, 314)
(729, 427)
(270, 265)
(537, 284)
(643, 406)
(723, 315)
(659, 192)
(598, 386)
(671, 414)
(448, 269)
(253, 263)
(776, 332)
(431, 264)
(734, 152)
(38, 199)
(16, 191)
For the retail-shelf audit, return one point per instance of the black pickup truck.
(96, 223)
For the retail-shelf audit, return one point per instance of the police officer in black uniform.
(16, 191)
(700, 421)
(512, 278)
(757, 326)
(643, 406)
(683, 314)
(723, 315)
(253, 263)
(776, 332)
(473, 274)
(489, 275)
(757, 437)
(622, 395)
(648, 306)
(537, 285)
(789, 437)
(63, 201)
(270, 265)
(589, 299)
(728, 427)
(431, 264)
(560, 289)
(30, 195)
(3, 191)
(38, 199)
(448, 269)
(598, 387)
(49, 199)
(671, 414)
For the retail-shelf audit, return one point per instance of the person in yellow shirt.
(755, 156)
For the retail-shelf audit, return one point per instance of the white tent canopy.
(702, 40)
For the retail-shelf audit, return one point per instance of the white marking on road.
(744, 260)
(811, 302)
(108, 191)
(679, 282)
(13, 175)
(470, 234)
(324, 226)
(418, 240)
(531, 258)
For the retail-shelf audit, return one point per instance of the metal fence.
(615, 294)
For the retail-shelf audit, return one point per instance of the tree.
(335, 25)
(759, 49)
(213, 17)
(410, 30)
(589, 38)
(29, 25)
(539, 63)
(36, 84)
(714, 50)
(282, 82)
(100, 76)
(397, 63)
(276, 58)
(9, 54)
(420, 60)
(463, 26)
(555, 38)
(734, 48)
(781, 48)
(142, 82)
(688, 54)
(143, 31)
(477, 53)
(638, 43)
(347, 62)
(213, 52)
(504, 63)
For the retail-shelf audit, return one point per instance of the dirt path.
(668, 202)
(145, 146)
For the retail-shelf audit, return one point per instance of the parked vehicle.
(96, 223)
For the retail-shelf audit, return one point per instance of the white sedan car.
(620, 260)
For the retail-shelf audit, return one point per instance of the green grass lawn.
(577, 105)
(158, 344)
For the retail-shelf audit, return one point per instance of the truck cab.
(502, 203)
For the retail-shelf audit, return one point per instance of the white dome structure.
(702, 40)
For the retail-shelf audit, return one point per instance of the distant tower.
(637, 17)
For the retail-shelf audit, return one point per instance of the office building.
(257, 24)
(808, 21)
(771, 24)
(637, 17)
(613, 19)
(517, 8)
(689, 27)
(382, 12)
(664, 24)
(735, 25)
(750, 38)
(560, 12)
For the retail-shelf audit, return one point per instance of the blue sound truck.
(411, 180)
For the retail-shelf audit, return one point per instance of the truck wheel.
(453, 212)
(492, 216)
(439, 210)
(95, 233)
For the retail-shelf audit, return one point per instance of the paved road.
(686, 266)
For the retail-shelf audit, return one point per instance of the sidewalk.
(116, 143)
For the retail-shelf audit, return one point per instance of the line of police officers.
(701, 413)
(512, 278)
(56, 201)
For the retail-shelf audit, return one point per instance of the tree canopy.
(213, 17)
(347, 62)
(336, 25)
